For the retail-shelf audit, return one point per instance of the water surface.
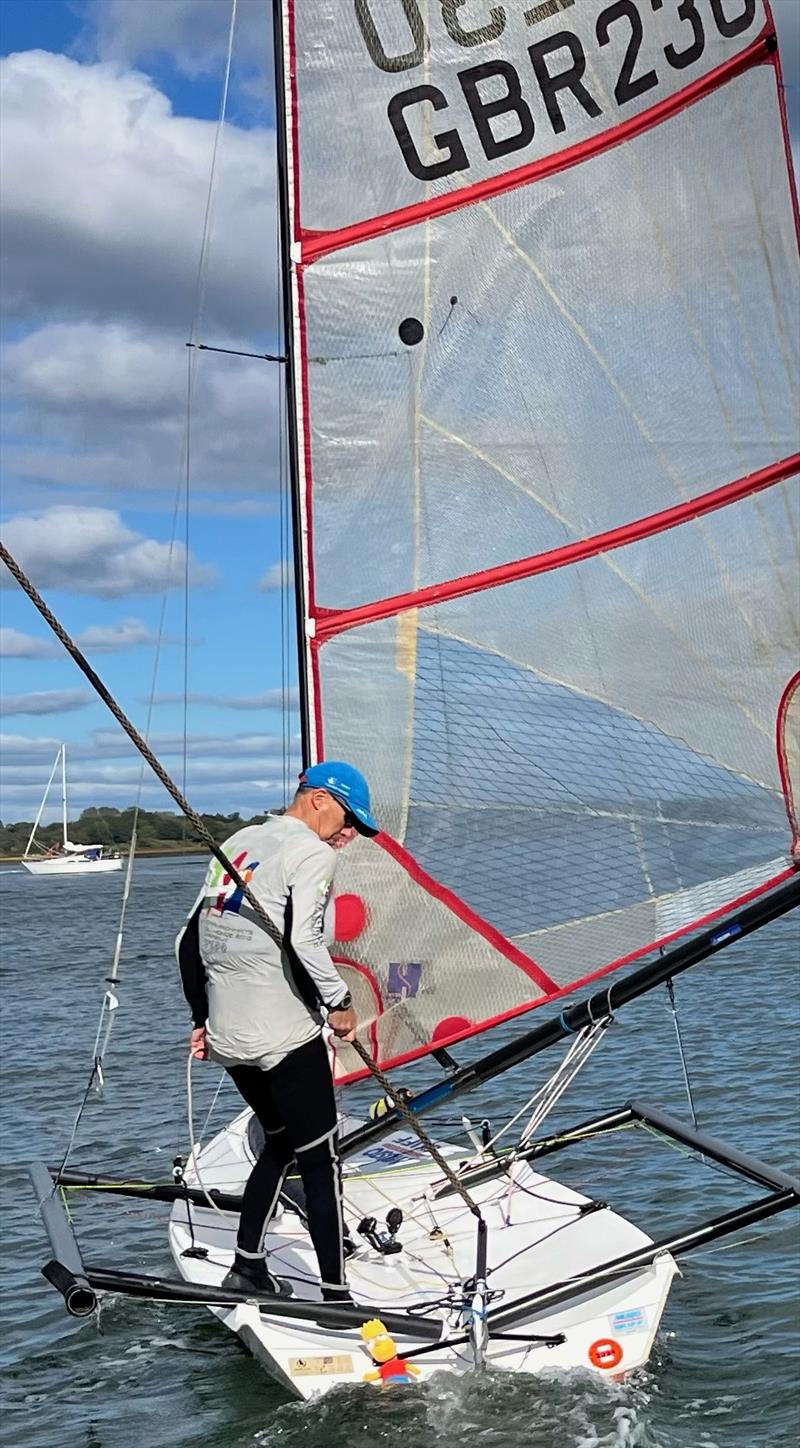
(723, 1372)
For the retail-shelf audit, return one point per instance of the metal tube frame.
(784, 1192)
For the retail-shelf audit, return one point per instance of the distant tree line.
(157, 829)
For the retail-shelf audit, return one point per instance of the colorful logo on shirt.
(231, 898)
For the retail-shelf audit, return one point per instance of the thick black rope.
(204, 834)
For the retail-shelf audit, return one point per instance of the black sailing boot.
(250, 1274)
(337, 1294)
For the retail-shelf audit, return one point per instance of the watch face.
(345, 1004)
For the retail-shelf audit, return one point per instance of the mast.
(295, 483)
(64, 792)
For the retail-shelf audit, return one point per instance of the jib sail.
(544, 270)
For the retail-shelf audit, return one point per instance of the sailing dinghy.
(542, 387)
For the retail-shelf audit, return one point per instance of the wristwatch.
(345, 1004)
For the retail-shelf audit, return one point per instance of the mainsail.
(544, 266)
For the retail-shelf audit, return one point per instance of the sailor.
(258, 1010)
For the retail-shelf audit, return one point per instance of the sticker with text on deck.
(398, 1148)
(633, 1319)
(318, 1367)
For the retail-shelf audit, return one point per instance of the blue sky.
(109, 120)
(101, 260)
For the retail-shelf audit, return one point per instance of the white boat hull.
(72, 865)
(608, 1330)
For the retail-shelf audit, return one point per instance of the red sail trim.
(319, 733)
(366, 974)
(783, 759)
(294, 179)
(463, 911)
(330, 622)
(314, 244)
(447, 1041)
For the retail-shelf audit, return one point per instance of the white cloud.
(104, 194)
(238, 772)
(110, 638)
(103, 404)
(278, 575)
(270, 699)
(193, 32)
(45, 701)
(112, 367)
(17, 645)
(201, 771)
(90, 550)
(113, 744)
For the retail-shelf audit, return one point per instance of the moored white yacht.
(66, 858)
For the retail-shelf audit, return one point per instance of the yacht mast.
(64, 791)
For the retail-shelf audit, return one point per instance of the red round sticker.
(605, 1353)
(450, 1026)
(349, 916)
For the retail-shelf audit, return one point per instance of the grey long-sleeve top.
(260, 1006)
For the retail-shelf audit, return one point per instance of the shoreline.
(148, 853)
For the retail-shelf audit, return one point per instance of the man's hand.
(197, 1044)
(343, 1024)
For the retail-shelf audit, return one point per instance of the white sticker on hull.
(634, 1319)
(312, 1367)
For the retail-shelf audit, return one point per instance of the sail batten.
(314, 242)
(548, 423)
(330, 621)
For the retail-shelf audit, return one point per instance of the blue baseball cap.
(348, 785)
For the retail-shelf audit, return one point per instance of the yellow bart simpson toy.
(390, 1369)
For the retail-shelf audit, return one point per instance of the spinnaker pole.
(295, 485)
(595, 1008)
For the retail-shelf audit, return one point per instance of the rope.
(193, 1155)
(205, 245)
(201, 829)
(410, 1120)
(110, 1000)
(545, 1098)
(204, 834)
(201, 283)
(587, 1041)
(674, 1009)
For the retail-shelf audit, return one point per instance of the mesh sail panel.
(545, 270)
(437, 977)
(570, 387)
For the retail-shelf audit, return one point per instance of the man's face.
(336, 826)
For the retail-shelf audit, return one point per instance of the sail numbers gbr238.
(657, 45)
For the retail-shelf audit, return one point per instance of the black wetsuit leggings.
(296, 1107)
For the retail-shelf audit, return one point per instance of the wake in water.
(497, 1410)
